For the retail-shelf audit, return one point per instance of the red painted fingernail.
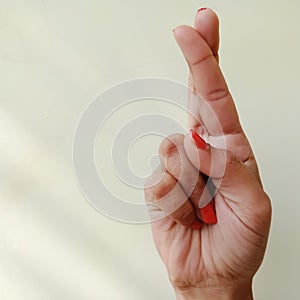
(202, 8)
(196, 225)
(198, 140)
(208, 213)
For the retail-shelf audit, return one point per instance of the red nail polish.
(198, 140)
(202, 8)
(196, 225)
(208, 213)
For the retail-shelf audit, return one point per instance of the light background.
(55, 57)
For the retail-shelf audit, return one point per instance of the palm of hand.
(227, 250)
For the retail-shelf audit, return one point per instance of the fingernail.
(198, 140)
(208, 213)
(202, 8)
(196, 225)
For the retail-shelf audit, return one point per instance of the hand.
(207, 261)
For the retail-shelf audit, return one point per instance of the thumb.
(231, 177)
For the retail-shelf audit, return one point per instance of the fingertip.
(206, 12)
(181, 31)
(201, 9)
(200, 158)
(207, 24)
(208, 213)
(197, 225)
(177, 28)
(198, 140)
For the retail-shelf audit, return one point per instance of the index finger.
(209, 83)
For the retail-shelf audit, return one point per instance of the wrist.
(243, 291)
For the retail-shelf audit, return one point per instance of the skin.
(217, 261)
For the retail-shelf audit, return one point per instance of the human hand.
(208, 261)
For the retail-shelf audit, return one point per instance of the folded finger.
(167, 199)
(179, 166)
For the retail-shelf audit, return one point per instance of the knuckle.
(170, 144)
(157, 188)
(201, 60)
(217, 95)
(173, 162)
(151, 182)
(231, 160)
(184, 214)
